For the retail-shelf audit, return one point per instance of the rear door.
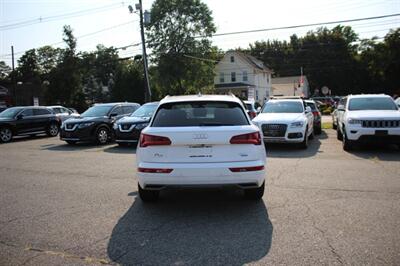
(200, 132)
(41, 118)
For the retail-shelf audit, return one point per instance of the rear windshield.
(189, 114)
(369, 103)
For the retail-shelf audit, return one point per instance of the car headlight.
(354, 121)
(115, 126)
(86, 124)
(141, 126)
(297, 124)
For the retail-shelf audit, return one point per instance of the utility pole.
(145, 66)
(13, 75)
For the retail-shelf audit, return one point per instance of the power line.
(300, 26)
(61, 16)
(84, 36)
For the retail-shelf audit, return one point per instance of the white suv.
(200, 140)
(367, 119)
(286, 120)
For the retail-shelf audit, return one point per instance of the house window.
(233, 76)
(245, 76)
(232, 59)
(221, 77)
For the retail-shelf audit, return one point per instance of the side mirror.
(113, 114)
(20, 116)
(258, 109)
(308, 109)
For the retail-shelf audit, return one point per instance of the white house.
(290, 86)
(243, 75)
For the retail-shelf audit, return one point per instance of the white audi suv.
(200, 140)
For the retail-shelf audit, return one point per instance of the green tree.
(180, 28)
(65, 80)
(129, 82)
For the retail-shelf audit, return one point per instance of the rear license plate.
(200, 151)
(381, 132)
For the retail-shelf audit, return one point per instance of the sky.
(27, 24)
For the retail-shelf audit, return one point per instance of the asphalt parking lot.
(78, 205)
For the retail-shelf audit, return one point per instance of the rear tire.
(339, 135)
(53, 130)
(254, 193)
(318, 130)
(148, 195)
(6, 134)
(334, 126)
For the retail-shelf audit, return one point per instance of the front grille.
(381, 123)
(69, 126)
(274, 130)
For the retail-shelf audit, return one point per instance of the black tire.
(339, 135)
(318, 130)
(312, 135)
(254, 193)
(334, 126)
(6, 134)
(102, 135)
(52, 130)
(148, 195)
(304, 144)
(71, 142)
(347, 144)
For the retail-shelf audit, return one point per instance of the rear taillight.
(247, 169)
(150, 140)
(250, 138)
(252, 114)
(316, 113)
(155, 170)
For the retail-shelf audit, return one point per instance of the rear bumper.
(201, 174)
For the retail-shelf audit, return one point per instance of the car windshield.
(199, 113)
(145, 111)
(97, 110)
(369, 103)
(10, 112)
(283, 107)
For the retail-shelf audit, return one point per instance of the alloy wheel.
(53, 130)
(5, 134)
(102, 136)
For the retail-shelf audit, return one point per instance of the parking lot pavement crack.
(323, 233)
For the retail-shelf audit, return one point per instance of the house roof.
(233, 85)
(286, 80)
(254, 62)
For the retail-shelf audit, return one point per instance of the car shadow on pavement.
(192, 227)
(121, 149)
(289, 150)
(75, 147)
(377, 152)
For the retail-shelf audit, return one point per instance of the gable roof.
(252, 61)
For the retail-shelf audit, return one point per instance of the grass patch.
(327, 125)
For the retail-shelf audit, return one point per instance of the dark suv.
(28, 120)
(96, 123)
